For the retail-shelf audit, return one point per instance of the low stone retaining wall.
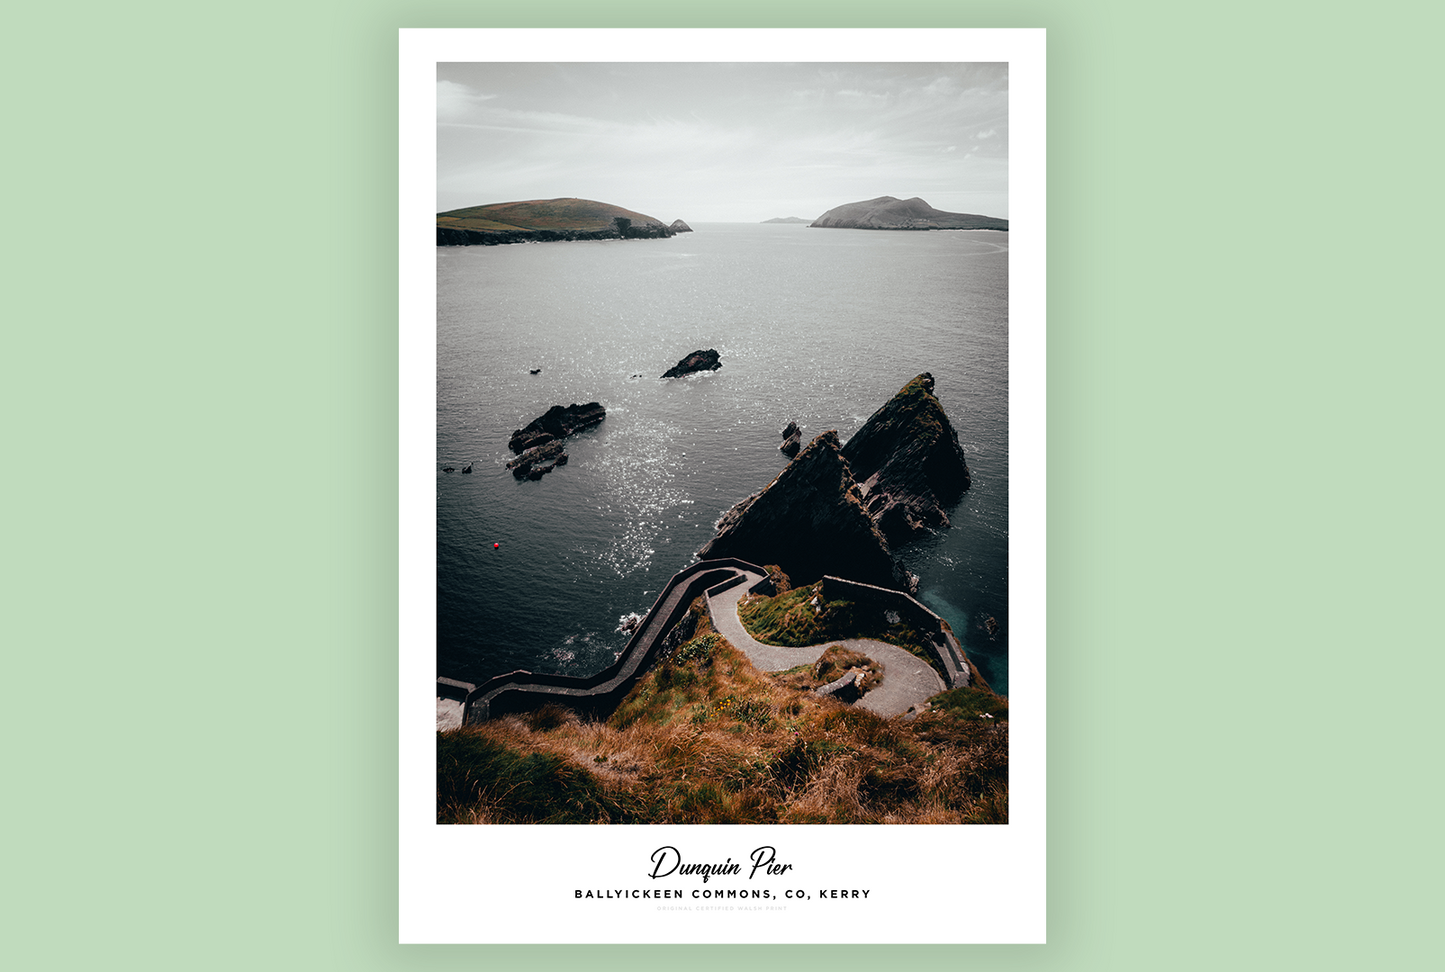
(599, 694)
(945, 646)
(450, 688)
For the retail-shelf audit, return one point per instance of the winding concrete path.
(907, 679)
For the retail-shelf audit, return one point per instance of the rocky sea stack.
(838, 509)
(678, 226)
(891, 213)
(708, 360)
(908, 463)
(809, 521)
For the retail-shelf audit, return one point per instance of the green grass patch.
(971, 703)
(700, 648)
(800, 617)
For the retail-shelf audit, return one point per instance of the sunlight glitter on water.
(818, 328)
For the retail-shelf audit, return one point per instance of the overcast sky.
(724, 142)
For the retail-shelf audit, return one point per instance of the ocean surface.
(817, 326)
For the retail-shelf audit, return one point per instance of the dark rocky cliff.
(809, 521)
(841, 509)
(908, 463)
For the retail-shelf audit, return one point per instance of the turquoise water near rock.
(817, 326)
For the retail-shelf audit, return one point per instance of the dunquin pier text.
(667, 860)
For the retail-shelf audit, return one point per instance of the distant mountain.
(891, 213)
(544, 220)
(787, 219)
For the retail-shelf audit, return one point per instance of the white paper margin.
(927, 884)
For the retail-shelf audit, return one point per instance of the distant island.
(544, 220)
(891, 213)
(787, 219)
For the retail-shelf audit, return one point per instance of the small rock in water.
(557, 423)
(708, 360)
(538, 461)
(792, 440)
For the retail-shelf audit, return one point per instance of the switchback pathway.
(907, 680)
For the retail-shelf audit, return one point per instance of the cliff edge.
(809, 521)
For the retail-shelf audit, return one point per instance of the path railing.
(942, 642)
(601, 693)
(522, 691)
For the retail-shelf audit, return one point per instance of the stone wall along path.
(908, 680)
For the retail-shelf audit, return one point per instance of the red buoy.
(496, 546)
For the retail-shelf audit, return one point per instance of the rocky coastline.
(452, 236)
(840, 509)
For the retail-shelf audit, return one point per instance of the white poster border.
(581, 884)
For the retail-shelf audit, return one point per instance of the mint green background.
(199, 399)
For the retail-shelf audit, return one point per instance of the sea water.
(817, 326)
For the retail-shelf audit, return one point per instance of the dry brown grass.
(707, 738)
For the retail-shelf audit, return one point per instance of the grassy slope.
(706, 738)
(791, 619)
(540, 214)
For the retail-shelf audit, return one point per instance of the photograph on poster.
(722, 450)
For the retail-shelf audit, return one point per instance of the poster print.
(722, 486)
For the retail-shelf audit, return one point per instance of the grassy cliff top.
(570, 213)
